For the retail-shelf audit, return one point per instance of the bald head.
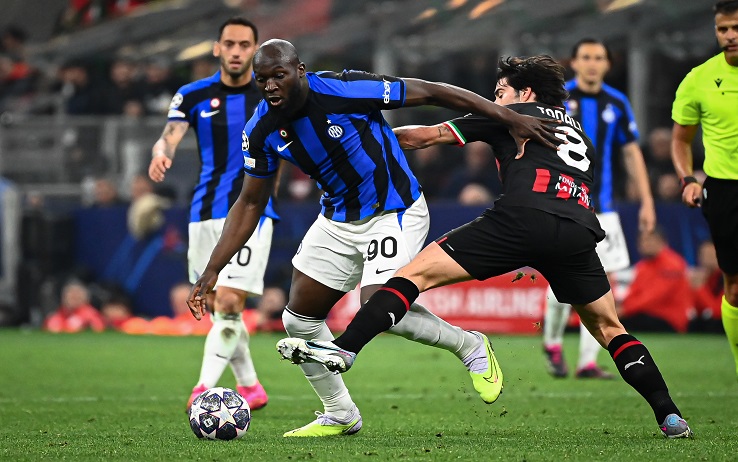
(276, 51)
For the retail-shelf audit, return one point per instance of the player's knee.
(227, 302)
(301, 326)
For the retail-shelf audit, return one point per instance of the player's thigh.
(571, 265)
(720, 208)
(433, 267)
(245, 270)
(490, 245)
(202, 237)
(392, 241)
(329, 254)
(613, 250)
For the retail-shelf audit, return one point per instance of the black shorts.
(505, 239)
(720, 208)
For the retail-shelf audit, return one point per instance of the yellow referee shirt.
(708, 95)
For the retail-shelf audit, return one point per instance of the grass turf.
(111, 396)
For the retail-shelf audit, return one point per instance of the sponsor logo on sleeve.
(386, 94)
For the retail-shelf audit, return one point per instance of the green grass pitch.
(116, 397)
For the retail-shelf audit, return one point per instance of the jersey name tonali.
(555, 181)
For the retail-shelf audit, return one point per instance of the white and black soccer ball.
(220, 414)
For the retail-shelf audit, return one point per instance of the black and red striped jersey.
(557, 182)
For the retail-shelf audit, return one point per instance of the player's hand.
(197, 301)
(159, 165)
(692, 194)
(646, 218)
(543, 131)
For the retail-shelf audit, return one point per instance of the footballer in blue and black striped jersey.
(217, 113)
(340, 138)
(608, 120)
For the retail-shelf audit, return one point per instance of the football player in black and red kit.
(543, 220)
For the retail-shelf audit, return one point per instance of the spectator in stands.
(475, 194)
(667, 188)
(657, 154)
(159, 86)
(707, 282)
(116, 311)
(121, 92)
(478, 167)
(105, 193)
(660, 296)
(140, 186)
(430, 169)
(269, 309)
(75, 88)
(202, 68)
(75, 313)
(13, 43)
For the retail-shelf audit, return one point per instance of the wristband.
(687, 180)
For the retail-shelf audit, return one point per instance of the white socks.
(220, 346)
(422, 326)
(328, 386)
(554, 324)
(241, 363)
(554, 320)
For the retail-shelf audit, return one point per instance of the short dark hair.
(725, 6)
(540, 73)
(241, 21)
(590, 41)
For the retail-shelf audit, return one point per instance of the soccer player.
(217, 107)
(374, 218)
(544, 220)
(708, 96)
(607, 119)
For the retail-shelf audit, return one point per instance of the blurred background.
(85, 86)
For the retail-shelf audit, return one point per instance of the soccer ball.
(220, 414)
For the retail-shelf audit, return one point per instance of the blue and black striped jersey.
(608, 121)
(217, 113)
(339, 138)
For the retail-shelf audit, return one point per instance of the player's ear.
(526, 94)
(301, 70)
(216, 49)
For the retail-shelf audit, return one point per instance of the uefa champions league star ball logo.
(335, 131)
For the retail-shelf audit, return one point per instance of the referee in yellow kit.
(708, 96)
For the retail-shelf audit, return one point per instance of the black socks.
(381, 312)
(638, 369)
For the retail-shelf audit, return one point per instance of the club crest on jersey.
(334, 131)
(608, 115)
(215, 102)
(244, 141)
(176, 101)
(283, 133)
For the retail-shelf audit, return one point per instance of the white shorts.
(613, 251)
(246, 269)
(342, 255)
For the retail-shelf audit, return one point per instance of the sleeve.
(473, 128)
(181, 106)
(259, 159)
(686, 109)
(372, 91)
(627, 126)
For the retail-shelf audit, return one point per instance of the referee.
(708, 96)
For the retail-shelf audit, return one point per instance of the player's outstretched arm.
(242, 219)
(681, 157)
(422, 136)
(522, 128)
(162, 153)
